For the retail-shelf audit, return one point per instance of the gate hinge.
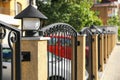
(78, 43)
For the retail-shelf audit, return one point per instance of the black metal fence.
(10, 62)
(62, 51)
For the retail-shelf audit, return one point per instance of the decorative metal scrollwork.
(59, 28)
(12, 38)
(2, 32)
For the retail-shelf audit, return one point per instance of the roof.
(105, 5)
(30, 12)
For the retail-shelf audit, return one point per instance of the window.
(19, 8)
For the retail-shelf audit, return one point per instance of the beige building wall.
(24, 3)
(10, 7)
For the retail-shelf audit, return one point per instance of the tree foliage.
(78, 15)
(114, 21)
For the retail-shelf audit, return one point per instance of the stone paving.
(112, 69)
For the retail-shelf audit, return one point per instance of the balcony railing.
(6, 11)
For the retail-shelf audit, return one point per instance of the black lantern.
(32, 20)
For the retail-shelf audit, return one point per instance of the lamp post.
(31, 21)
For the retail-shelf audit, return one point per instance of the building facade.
(106, 9)
(10, 8)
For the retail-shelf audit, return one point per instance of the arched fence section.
(62, 51)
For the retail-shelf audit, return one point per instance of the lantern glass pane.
(31, 23)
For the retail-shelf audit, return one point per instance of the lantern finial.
(30, 2)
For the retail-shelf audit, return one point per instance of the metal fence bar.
(1, 61)
(14, 37)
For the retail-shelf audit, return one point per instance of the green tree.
(78, 15)
(115, 21)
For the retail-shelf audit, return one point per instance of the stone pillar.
(36, 68)
(81, 57)
(95, 56)
(101, 52)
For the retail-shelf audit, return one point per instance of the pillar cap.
(82, 35)
(36, 38)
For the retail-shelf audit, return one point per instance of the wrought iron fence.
(62, 51)
(10, 57)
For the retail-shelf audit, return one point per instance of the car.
(61, 46)
(6, 62)
(60, 68)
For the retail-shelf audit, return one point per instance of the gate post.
(81, 57)
(34, 62)
(109, 45)
(105, 48)
(95, 56)
(115, 39)
(101, 52)
(112, 41)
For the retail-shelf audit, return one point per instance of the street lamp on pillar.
(31, 21)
